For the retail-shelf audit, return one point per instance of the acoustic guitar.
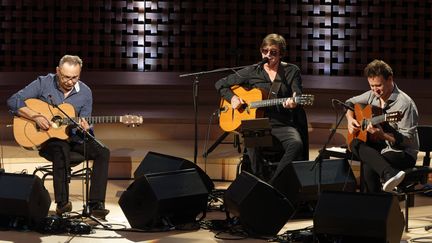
(30, 136)
(364, 114)
(230, 119)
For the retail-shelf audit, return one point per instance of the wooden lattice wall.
(324, 37)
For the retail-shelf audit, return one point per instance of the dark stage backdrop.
(324, 37)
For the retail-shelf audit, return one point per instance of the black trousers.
(291, 144)
(376, 163)
(57, 151)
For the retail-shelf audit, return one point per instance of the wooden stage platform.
(169, 129)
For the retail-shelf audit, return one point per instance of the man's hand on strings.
(42, 122)
(84, 124)
(236, 102)
(353, 125)
(290, 102)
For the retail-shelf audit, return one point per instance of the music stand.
(256, 135)
(256, 132)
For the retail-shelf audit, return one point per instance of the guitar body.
(369, 115)
(361, 115)
(230, 119)
(29, 136)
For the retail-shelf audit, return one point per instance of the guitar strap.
(276, 84)
(274, 89)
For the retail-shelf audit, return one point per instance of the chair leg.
(238, 170)
(407, 205)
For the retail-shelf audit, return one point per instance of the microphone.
(343, 104)
(51, 100)
(262, 62)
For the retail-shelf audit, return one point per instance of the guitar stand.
(236, 143)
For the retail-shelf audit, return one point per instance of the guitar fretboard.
(94, 119)
(378, 119)
(266, 103)
(301, 100)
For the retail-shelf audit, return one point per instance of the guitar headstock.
(393, 116)
(131, 120)
(304, 99)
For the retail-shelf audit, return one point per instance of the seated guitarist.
(288, 121)
(65, 87)
(387, 151)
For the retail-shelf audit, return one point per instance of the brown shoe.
(63, 208)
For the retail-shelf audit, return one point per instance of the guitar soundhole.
(243, 107)
(57, 121)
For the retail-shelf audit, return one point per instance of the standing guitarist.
(390, 147)
(65, 87)
(288, 121)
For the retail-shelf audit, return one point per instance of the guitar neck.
(95, 119)
(378, 119)
(273, 102)
(267, 103)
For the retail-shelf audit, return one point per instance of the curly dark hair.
(378, 68)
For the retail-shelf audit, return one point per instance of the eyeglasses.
(67, 78)
(273, 52)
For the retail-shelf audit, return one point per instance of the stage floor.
(420, 216)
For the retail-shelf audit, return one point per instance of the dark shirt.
(253, 77)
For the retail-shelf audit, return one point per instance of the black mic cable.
(346, 106)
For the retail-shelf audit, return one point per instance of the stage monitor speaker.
(24, 198)
(358, 217)
(174, 196)
(261, 209)
(299, 180)
(155, 162)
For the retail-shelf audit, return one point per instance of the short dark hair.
(275, 39)
(378, 68)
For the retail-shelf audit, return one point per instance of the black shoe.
(63, 207)
(392, 180)
(98, 210)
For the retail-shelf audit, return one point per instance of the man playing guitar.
(389, 149)
(288, 119)
(65, 87)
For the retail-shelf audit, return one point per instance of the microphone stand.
(86, 207)
(319, 158)
(195, 87)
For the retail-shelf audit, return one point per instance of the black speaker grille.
(23, 196)
(359, 216)
(262, 209)
(176, 196)
(299, 180)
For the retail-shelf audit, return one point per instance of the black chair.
(270, 158)
(75, 159)
(417, 177)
